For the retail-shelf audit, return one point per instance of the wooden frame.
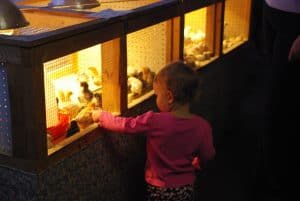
(27, 54)
(25, 58)
(190, 5)
(148, 16)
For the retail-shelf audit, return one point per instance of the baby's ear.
(170, 97)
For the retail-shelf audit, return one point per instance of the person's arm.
(131, 125)
(294, 54)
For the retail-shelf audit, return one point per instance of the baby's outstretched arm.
(133, 125)
(96, 114)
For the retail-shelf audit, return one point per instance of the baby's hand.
(96, 114)
(196, 163)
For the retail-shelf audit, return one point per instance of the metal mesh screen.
(196, 20)
(148, 47)
(236, 18)
(62, 79)
(55, 69)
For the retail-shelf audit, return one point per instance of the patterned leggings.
(183, 193)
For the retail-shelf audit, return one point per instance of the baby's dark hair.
(180, 79)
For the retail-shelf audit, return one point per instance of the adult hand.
(294, 54)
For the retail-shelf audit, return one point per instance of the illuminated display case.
(152, 41)
(66, 63)
(147, 53)
(201, 35)
(55, 71)
(74, 86)
(236, 23)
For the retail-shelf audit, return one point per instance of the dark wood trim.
(123, 74)
(219, 27)
(26, 90)
(210, 27)
(176, 42)
(191, 5)
(151, 15)
(181, 36)
(78, 42)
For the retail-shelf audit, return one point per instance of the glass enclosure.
(236, 23)
(199, 37)
(109, 65)
(73, 88)
(148, 50)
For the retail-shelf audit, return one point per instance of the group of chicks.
(87, 99)
(195, 48)
(138, 81)
(77, 104)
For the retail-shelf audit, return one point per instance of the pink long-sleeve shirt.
(172, 144)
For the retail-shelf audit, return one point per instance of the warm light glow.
(198, 45)
(68, 84)
(196, 20)
(147, 48)
(194, 36)
(8, 32)
(63, 77)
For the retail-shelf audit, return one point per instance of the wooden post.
(111, 77)
(219, 28)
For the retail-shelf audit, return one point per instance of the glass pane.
(199, 41)
(73, 88)
(236, 23)
(147, 52)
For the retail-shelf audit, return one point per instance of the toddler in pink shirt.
(178, 142)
